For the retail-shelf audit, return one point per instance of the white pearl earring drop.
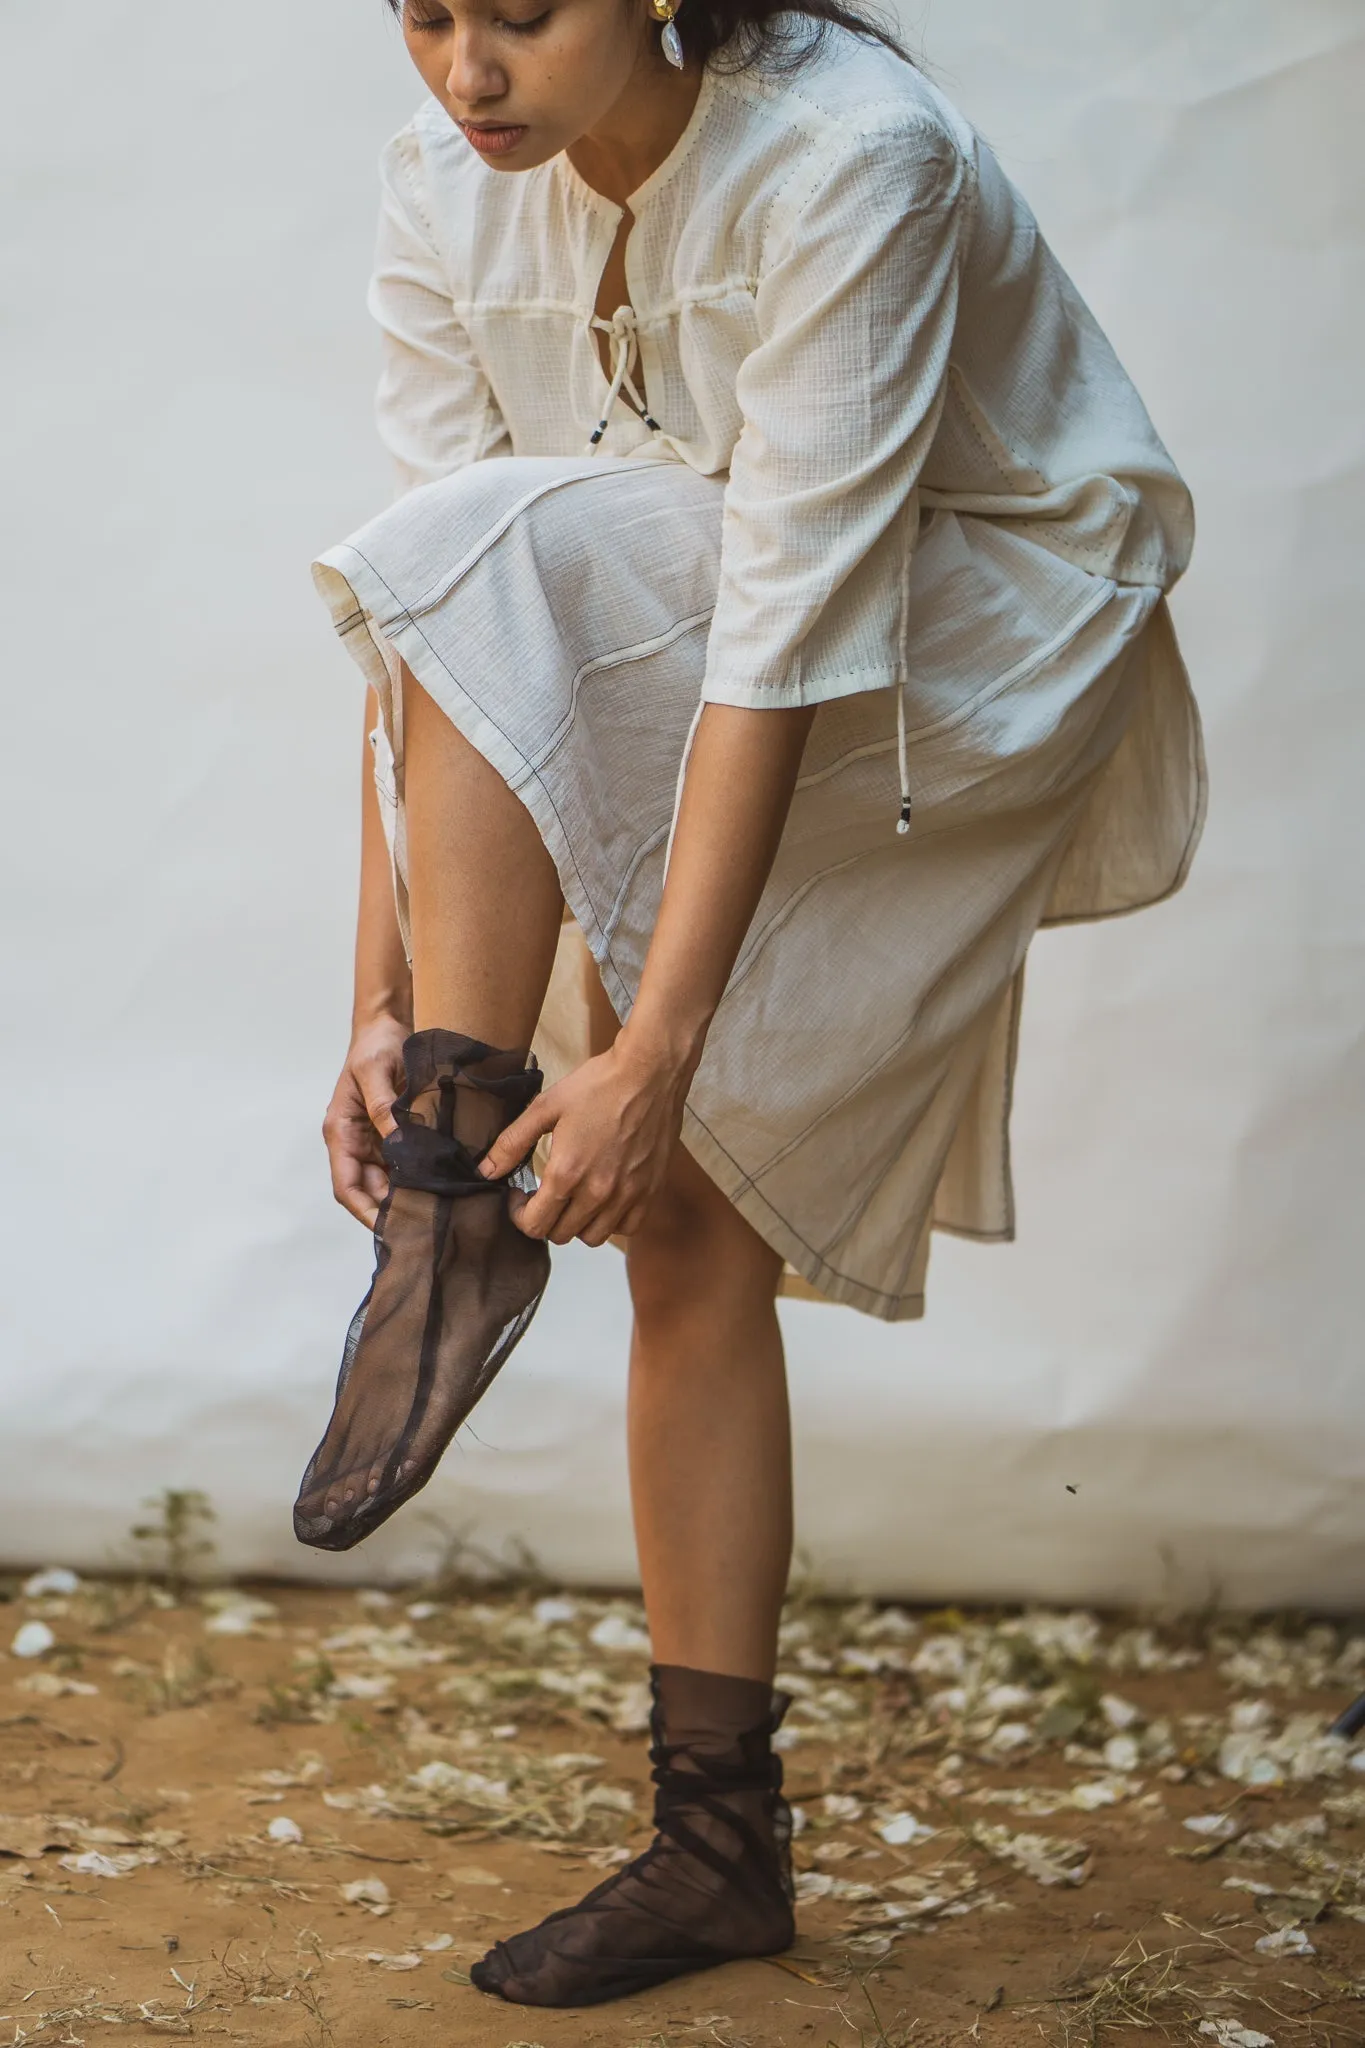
(670, 40)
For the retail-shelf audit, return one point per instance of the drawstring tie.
(903, 757)
(625, 350)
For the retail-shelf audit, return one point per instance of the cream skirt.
(855, 1087)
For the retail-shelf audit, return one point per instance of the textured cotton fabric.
(840, 301)
(899, 471)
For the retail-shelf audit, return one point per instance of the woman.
(777, 520)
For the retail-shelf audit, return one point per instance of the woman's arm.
(359, 1113)
(616, 1119)
(736, 795)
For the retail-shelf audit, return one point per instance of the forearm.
(736, 796)
(383, 982)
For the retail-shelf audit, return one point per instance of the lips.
(494, 138)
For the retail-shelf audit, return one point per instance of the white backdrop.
(186, 371)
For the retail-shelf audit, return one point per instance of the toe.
(488, 1974)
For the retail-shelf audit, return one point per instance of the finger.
(512, 1146)
(616, 1217)
(585, 1209)
(380, 1083)
(632, 1221)
(351, 1188)
(537, 1215)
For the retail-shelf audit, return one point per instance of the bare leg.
(711, 1480)
(483, 893)
(710, 1435)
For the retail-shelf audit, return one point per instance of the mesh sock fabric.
(455, 1286)
(713, 1886)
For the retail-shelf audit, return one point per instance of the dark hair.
(770, 33)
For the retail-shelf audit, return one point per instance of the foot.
(713, 1887)
(455, 1287)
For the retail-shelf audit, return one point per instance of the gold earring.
(671, 41)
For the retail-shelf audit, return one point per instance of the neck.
(617, 156)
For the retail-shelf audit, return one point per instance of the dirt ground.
(292, 1817)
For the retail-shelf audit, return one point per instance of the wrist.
(379, 1008)
(669, 1045)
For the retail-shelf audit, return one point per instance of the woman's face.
(525, 79)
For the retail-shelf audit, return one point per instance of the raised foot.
(455, 1286)
(339, 1515)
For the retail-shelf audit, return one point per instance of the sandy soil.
(993, 1847)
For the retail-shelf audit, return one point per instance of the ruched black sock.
(713, 1886)
(455, 1286)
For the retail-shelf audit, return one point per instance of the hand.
(615, 1121)
(360, 1114)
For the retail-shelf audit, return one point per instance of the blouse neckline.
(658, 177)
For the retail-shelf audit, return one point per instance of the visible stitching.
(926, 996)
(620, 657)
(531, 774)
(641, 855)
(406, 159)
(818, 1259)
(740, 286)
(967, 411)
(436, 593)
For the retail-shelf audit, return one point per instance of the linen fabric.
(838, 299)
(898, 474)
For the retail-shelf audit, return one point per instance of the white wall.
(187, 363)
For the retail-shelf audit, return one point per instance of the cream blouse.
(839, 302)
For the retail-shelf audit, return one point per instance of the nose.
(475, 76)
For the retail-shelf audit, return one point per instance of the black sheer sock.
(715, 1883)
(454, 1288)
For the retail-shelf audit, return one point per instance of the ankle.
(710, 1709)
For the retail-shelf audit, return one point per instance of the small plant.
(320, 2034)
(307, 1699)
(883, 2035)
(173, 1539)
(463, 1567)
(1140, 1989)
(183, 1679)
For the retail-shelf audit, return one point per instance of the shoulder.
(426, 161)
(435, 187)
(853, 102)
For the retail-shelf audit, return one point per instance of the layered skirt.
(855, 1087)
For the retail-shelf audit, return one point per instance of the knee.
(695, 1252)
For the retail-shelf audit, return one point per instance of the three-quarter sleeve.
(435, 407)
(840, 399)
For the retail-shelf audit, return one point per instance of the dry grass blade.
(1140, 1988)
